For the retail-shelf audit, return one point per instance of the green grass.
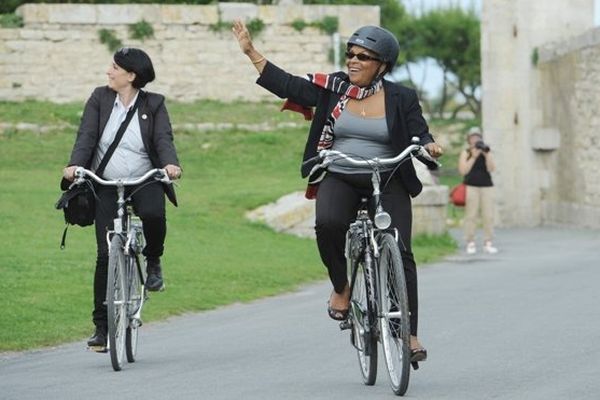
(213, 256)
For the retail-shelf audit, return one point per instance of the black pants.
(338, 200)
(149, 205)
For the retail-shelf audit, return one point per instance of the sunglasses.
(124, 50)
(361, 56)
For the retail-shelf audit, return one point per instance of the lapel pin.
(144, 116)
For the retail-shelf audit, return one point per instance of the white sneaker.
(488, 248)
(471, 249)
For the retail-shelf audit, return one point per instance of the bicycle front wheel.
(363, 321)
(394, 318)
(134, 306)
(116, 302)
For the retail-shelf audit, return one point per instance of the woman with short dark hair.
(147, 143)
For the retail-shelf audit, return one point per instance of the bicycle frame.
(362, 232)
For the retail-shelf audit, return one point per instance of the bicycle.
(378, 300)
(125, 290)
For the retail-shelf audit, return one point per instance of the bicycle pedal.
(415, 365)
(136, 323)
(347, 324)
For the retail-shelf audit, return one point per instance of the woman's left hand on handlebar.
(434, 149)
(173, 171)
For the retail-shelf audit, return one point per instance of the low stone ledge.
(294, 214)
(430, 211)
(196, 127)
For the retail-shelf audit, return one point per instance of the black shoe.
(98, 340)
(154, 281)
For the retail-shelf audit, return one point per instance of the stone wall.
(58, 56)
(514, 93)
(570, 153)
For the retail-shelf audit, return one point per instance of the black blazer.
(155, 127)
(403, 114)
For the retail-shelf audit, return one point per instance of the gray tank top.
(363, 138)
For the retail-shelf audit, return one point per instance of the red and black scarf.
(347, 90)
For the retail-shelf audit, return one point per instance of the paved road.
(524, 324)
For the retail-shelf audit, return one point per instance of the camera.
(482, 146)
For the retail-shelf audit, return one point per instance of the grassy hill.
(213, 255)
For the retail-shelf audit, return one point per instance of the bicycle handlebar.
(160, 174)
(330, 156)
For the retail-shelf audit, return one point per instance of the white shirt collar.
(119, 104)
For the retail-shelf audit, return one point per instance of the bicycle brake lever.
(425, 154)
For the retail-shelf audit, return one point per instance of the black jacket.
(155, 128)
(403, 114)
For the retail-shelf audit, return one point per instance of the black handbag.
(79, 201)
(78, 204)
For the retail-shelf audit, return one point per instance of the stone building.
(540, 76)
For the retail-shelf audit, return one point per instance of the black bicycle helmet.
(379, 41)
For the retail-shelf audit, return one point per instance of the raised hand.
(242, 35)
(245, 41)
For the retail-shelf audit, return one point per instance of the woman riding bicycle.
(147, 143)
(358, 113)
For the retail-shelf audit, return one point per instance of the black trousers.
(149, 205)
(338, 200)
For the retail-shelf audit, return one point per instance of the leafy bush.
(110, 39)
(299, 24)
(255, 26)
(10, 21)
(141, 30)
(329, 24)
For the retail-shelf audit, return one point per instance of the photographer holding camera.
(475, 164)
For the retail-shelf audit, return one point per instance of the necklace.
(363, 113)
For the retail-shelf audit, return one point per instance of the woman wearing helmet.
(357, 112)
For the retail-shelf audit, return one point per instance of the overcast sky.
(416, 5)
(430, 75)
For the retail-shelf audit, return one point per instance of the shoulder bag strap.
(118, 137)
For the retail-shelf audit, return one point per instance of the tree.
(451, 37)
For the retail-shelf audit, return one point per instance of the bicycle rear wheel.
(394, 318)
(134, 305)
(363, 321)
(116, 302)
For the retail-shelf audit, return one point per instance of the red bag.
(458, 195)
